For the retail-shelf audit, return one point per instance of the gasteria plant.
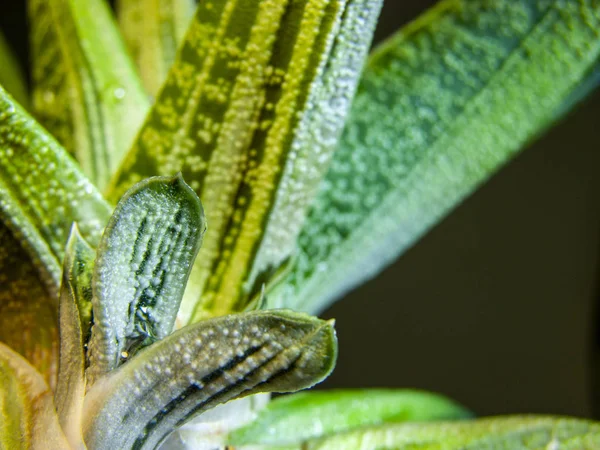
(248, 101)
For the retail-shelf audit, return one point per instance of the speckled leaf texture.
(42, 192)
(512, 433)
(201, 366)
(441, 106)
(27, 417)
(296, 418)
(144, 260)
(250, 113)
(86, 90)
(152, 30)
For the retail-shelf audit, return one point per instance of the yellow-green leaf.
(442, 106)
(202, 365)
(510, 433)
(86, 91)
(75, 296)
(11, 75)
(144, 260)
(28, 315)
(152, 30)
(42, 192)
(250, 113)
(27, 417)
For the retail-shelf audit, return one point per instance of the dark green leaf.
(11, 75)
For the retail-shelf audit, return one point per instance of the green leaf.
(202, 365)
(28, 315)
(308, 415)
(11, 75)
(27, 417)
(250, 113)
(86, 91)
(42, 192)
(441, 106)
(144, 260)
(74, 319)
(514, 433)
(152, 30)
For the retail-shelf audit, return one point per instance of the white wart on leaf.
(144, 260)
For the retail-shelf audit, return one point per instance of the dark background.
(496, 305)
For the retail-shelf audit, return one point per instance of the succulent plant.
(126, 323)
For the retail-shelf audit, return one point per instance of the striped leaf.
(42, 192)
(152, 30)
(86, 91)
(74, 320)
(250, 114)
(27, 417)
(514, 433)
(144, 259)
(28, 315)
(296, 418)
(441, 106)
(202, 365)
(11, 75)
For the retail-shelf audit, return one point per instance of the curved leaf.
(308, 415)
(441, 106)
(74, 319)
(144, 259)
(28, 315)
(251, 109)
(11, 75)
(86, 91)
(152, 30)
(202, 365)
(27, 417)
(514, 433)
(42, 192)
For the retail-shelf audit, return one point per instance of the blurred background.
(496, 306)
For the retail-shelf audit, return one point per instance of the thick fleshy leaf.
(202, 365)
(442, 106)
(86, 91)
(27, 417)
(42, 192)
(74, 319)
(308, 415)
(250, 113)
(153, 30)
(28, 315)
(510, 433)
(144, 260)
(11, 75)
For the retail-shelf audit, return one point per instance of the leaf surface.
(74, 319)
(249, 113)
(308, 415)
(42, 192)
(152, 30)
(202, 365)
(11, 75)
(507, 433)
(86, 91)
(27, 417)
(144, 259)
(441, 106)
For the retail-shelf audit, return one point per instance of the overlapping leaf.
(441, 107)
(250, 113)
(86, 91)
(42, 192)
(202, 365)
(308, 415)
(144, 260)
(152, 30)
(510, 433)
(11, 75)
(27, 417)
